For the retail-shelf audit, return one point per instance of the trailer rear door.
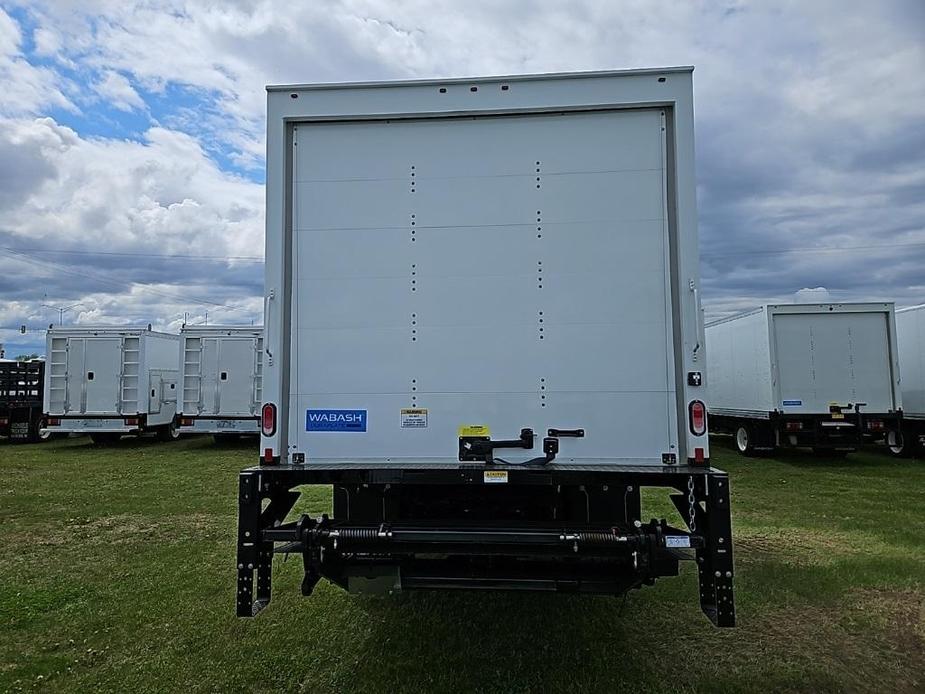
(505, 271)
(236, 376)
(102, 366)
(825, 358)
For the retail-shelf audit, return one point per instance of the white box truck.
(107, 381)
(910, 336)
(821, 376)
(221, 376)
(483, 330)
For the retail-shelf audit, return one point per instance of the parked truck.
(108, 381)
(819, 376)
(910, 336)
(220, 370)
(21, 387)
(483, 331)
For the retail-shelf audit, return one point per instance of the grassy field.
(117, 574)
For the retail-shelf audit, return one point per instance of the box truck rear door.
(507, 271)
(825, 358)
(102, 363)
(236, 377)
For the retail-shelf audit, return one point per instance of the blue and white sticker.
(335, 420)
(793, 403)
(677, 541)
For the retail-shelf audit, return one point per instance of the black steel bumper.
(380, 539)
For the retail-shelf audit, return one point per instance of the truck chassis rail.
(593, 554)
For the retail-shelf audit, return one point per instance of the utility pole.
(61, 310)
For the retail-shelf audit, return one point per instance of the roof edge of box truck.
(530, 77)
(420, 500)
(110, 329)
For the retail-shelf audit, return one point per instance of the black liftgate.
(558, 527)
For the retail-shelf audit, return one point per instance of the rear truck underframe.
(558, 527)
(840, 429)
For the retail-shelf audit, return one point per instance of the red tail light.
(699, 456)
(794, 426)
(268, 419)
(698, 417)
(186, 422)
(53, 422)
(268, 455)
(131, 421)
(875, 424)
(4, 421)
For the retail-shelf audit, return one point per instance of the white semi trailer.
(910, 334)
(483, 330)
(821, 376)
(220, 372)
(108, 381)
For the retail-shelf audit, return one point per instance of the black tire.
(744, 438)
(168, 432)
(105, 438)
(897, 446)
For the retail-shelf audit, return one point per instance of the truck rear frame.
(563, 537)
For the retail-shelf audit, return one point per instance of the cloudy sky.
(132, 137)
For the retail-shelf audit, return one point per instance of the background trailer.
(824, 376)
(910, 334)
(483, 329)
(107, 381)
(221, 375)
(21, 388)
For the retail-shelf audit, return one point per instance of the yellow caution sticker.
(495, 477)
(474, 430)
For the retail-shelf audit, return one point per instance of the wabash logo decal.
(335, 420)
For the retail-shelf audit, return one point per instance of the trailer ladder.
(57, 375)
(192, 375)
(128, 378)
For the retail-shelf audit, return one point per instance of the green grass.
(117, 574)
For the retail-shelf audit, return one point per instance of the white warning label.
(414, 418)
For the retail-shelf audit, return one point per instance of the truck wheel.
(168, 432)
(745, 440)
(104, 438)
(896, 443)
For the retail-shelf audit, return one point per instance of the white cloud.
(101, 206)
(812, 295)
(25, 88)
(118, 92)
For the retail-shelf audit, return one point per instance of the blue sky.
(131, 142)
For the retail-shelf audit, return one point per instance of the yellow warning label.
(474, 430)
(495, 477)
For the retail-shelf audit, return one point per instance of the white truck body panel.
(910, 334)
(106, 373)
(221, 369)
(801, 358)
(520, 257)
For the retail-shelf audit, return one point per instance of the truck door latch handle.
(566, 433)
